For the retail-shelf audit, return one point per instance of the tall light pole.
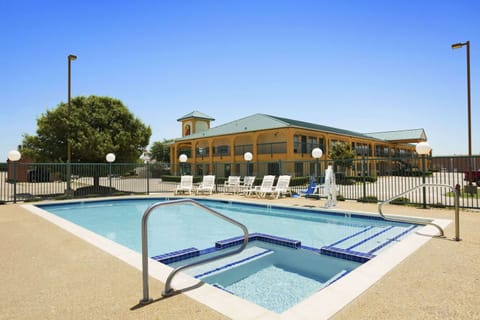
(71, 58)
(457, 46)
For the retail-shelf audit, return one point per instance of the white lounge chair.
(281, 187)
(247, 184)
(264, 188)
(232, 185)
(186, 185)
(207, 185)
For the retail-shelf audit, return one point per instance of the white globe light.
(14, 155)
(317, 153)
(248, 156)
(183, 158)
(423, 148)
(110, 157)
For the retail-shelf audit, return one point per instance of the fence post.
(148, 177)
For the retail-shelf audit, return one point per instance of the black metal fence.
(364, 179)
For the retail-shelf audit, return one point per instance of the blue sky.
(366, 66)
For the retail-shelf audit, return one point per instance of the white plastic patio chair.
(266, 187)
(207, 185)
(186, 185)
(281, 187)
(232, 185)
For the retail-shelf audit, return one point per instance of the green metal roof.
(314, 126)
(261, 121)
(196, 114)
(413, 135)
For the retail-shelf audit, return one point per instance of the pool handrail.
(168, 290)
(423, 185)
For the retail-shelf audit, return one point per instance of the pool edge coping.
(332, 299)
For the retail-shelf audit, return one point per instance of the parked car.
(473, 176)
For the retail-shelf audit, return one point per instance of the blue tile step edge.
(347, 254)
(235, 241)
(179, 255)
(231, 262)
(219, 286)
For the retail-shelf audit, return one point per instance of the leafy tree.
(96, 126)
(342, 155)
(161, 151)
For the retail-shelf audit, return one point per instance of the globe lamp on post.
(14, 156)
(423, 149)
(248, 156)
(182, 158)
(317, 153)
(110, 158)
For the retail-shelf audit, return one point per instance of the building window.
(202, 152)
(241, 149)
(223, 150)
(273, 168)
(271, 148)
(299, 169)
(305, 144)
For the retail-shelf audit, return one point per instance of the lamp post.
(317, 153)
(110, 158)
(364, 153)
(70, 58)
(14, 156)
(182, 158)
(457, 46)
(146, 160)
(248, 156)
(423, 149)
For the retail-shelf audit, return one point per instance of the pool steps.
(220, 265)
(358, 247)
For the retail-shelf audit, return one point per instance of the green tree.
(96, 126)
(342, 155)
(160, 150)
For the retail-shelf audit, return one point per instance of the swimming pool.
(318, 234)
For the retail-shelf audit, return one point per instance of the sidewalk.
(47, 273)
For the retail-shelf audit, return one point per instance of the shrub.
(340, 197)
(368, 199)
(400, 201)
(438, 205)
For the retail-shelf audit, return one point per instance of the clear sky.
(365, 66)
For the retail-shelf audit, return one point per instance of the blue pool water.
(320, 236)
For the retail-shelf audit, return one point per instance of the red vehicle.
(473, 176)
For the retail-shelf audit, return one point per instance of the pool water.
(277, 280)
(272, 276)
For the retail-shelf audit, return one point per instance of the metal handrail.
(168, 290)
(423, 185)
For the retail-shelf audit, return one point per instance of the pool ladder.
(168, 289)
(424, 185)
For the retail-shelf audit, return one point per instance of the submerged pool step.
(362, 245)
(247, 255)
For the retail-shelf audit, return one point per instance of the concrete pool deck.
(48, 273)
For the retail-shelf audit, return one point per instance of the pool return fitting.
(168, 291)
(424, 185)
